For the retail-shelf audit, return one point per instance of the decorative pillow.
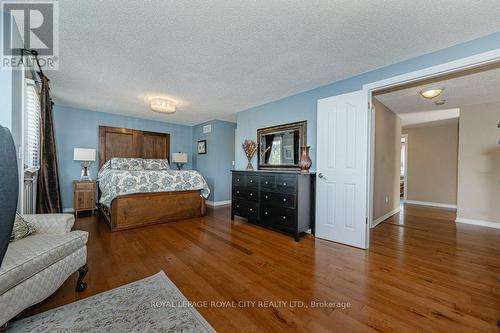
(21, 228)
(130, 164)
(156, 164)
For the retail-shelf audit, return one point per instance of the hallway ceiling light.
(163, 105)
(431, 93)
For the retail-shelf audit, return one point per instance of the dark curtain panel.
(48, 195)
(296, 148)
(269, 143)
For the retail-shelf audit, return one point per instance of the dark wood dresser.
(281, 200)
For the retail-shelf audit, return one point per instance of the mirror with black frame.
(279, 146)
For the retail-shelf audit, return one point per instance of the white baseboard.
(217, 203)
(68, 210)
(385, 217)
(432, 204)
(481, 223)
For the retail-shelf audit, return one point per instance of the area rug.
(153, 304)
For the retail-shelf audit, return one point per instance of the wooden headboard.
(126, 142)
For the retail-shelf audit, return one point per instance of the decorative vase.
(305, 161)
(249, 147)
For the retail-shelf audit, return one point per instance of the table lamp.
(86, 157)
(180, 159)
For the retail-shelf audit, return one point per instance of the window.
(275, 158)
(31, 126)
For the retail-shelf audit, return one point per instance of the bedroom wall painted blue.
(80, 128)
(303, 106)
(205, 163)
(224, 157)
(216, 164)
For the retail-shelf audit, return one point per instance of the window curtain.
(48, 193)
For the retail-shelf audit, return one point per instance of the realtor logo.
(32, 25)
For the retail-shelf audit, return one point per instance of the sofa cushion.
(51, 223)
(30, 255)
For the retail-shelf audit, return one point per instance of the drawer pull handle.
(267, 197)
(284, 217)
(237, 206)
(237, 179)
(251, 209)
(251, 194)
(265, 213)
(284, 199)
(238, 192)
(267, 182)
(284, 184)
(251, 181)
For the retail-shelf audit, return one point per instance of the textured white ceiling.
(478, 88)
(220, 57)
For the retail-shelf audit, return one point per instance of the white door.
(342, 169)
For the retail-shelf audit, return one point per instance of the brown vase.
(305, 161)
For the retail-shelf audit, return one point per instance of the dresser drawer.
(245, 209)
(279, 218)
(278, 199)
(239, 179)
(249, 194)
(286, 184)
(85, 186)
(252, 181)
(268, 182)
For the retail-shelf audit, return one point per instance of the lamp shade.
(179, 157)
(83, 154)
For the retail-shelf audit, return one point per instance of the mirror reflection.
(280, 148)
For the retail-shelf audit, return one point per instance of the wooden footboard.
(141, 209)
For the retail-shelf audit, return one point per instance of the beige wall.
(432, 163)
(479, 163)
(387, 160)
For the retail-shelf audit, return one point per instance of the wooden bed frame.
(140, 209)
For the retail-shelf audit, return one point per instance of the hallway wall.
(387, 162)
(479, 164)
(433, 163)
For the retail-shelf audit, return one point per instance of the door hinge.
(366, 220)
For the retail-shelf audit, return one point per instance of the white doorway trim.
(459, 65)
(405, 184)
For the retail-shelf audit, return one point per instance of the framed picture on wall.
(202, 147)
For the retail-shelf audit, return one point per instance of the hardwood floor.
(423, 272)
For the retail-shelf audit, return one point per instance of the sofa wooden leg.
(82, 271)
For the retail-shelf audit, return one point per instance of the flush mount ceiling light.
(163, 105)
(431, 93)
(440, 102)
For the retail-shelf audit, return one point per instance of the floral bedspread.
(113, 183)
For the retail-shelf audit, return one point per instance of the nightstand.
(84, 195)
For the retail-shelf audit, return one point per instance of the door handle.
(320, 175)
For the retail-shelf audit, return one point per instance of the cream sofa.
(36, 266)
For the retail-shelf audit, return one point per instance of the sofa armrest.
(57, 224)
